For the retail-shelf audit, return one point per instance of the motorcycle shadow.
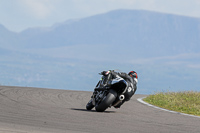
(76, 109)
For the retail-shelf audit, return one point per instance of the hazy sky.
(17, 15)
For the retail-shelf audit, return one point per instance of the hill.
(163, 48)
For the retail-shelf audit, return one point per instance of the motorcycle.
(107, 94)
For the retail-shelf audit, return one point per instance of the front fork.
(98, 96)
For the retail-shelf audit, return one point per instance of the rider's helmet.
(133, 74)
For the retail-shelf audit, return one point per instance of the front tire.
(106, 102)
(89, 105)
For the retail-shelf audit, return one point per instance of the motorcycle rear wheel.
(107, 101)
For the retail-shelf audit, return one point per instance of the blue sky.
(18, 15)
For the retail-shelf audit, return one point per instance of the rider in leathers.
(131, 78)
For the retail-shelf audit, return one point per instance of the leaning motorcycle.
(111, 94)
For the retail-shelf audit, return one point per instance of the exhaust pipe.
(121, 97)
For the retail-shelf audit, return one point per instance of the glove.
(105, 73)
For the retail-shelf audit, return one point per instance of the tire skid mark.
(62, 111)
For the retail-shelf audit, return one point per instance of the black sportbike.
(111, 94)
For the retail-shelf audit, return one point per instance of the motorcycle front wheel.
(89, 105)
(107, 101)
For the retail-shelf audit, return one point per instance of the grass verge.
(185, 102)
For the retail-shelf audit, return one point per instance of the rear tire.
(89, 105)
(107, 101)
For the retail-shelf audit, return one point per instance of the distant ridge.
(159, 44)
(143, 29)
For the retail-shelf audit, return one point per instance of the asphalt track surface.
(36, 110)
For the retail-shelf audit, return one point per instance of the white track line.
(141, 101)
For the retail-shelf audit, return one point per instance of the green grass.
(185, 102)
